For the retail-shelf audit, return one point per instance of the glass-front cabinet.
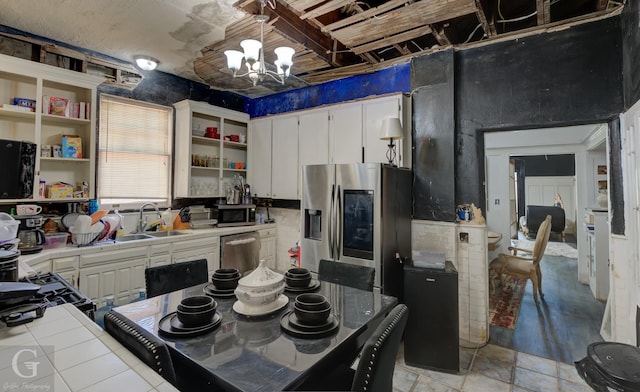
(52, 110)
(211, 149)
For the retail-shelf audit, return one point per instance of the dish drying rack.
(87, 239)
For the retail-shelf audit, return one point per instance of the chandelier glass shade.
(253, 57)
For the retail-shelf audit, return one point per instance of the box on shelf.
(60, 190)
(24, 102)
(71, 146)
(55, 105)
(15, 108)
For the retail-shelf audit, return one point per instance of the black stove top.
(54, 290)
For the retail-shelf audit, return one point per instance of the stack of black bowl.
(195, 315)
(298, 280)
(223, 282)
(311, 317)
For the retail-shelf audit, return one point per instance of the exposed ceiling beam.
(290, 25)
(326, 8)
(440, 35)
(388, 41)
(489, 28)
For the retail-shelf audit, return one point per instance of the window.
(134, 153)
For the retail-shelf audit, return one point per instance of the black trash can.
(611, 366)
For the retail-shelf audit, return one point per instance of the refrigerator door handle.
(331, 221)
(339, 224)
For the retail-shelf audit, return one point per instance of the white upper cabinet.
(345, 133)
(376, 110)
(260, 157)
(313, 140)
(211, 147)
(284, 157)
(69, 89)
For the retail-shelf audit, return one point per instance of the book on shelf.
(15, 108)
(25, 102)
(82, 110)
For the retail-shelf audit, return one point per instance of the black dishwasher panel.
(431, 334)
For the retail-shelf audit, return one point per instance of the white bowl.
(253, 298)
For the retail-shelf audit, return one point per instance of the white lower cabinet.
(159, 255)
(204, 248)
(68, 268)
(116, 276)
(41, 267)
(268, 247)
(119, 281)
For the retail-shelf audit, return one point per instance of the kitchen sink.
(164, 233)
(133, 237)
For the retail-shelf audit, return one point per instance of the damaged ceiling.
(332, 38)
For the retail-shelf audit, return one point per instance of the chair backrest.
(378, 359)
(171, 277)
(351, 275)
(148, 348)
(542, 237)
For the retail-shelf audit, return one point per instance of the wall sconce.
(146, 63)
(391, 130)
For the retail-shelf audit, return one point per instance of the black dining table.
(254, 353)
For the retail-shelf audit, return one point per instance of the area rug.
(552, 249)
(505, 301)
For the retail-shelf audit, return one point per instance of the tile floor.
(493, 369)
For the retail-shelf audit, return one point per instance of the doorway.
(548, 330)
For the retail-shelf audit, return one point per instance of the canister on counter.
(45, 151)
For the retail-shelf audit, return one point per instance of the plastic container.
(55, 240)
(8, 227)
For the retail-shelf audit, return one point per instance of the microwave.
(229, 215)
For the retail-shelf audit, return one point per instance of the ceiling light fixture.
(146, 63)
(254, 55)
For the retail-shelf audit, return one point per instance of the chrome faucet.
(142, 224)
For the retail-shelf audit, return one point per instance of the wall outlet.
(464, 237)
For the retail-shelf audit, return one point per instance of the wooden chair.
(171, 277)
(377, 360)
(526, 267)
(346, 274)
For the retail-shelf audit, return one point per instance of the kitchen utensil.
(96, 216)
(55, 240)
(9, 265)
(8, 227)
(82, 224)
(16, 292)
(30, 239)
(28, 209)
(69, 220)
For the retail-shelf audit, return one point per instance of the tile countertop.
(72, 250)
(72, 353)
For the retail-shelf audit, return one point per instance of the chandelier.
(254, 55)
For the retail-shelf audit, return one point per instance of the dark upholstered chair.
(346, 274)
(537, 214)
(171, 277)
(377, 360)
(148, 348)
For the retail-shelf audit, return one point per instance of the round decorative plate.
(171, 327)
(287, 327)
(276, 305)
(211, 290)
(313, 286)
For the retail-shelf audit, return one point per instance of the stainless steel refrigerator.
(360, 214)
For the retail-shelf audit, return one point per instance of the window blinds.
(134, 152)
